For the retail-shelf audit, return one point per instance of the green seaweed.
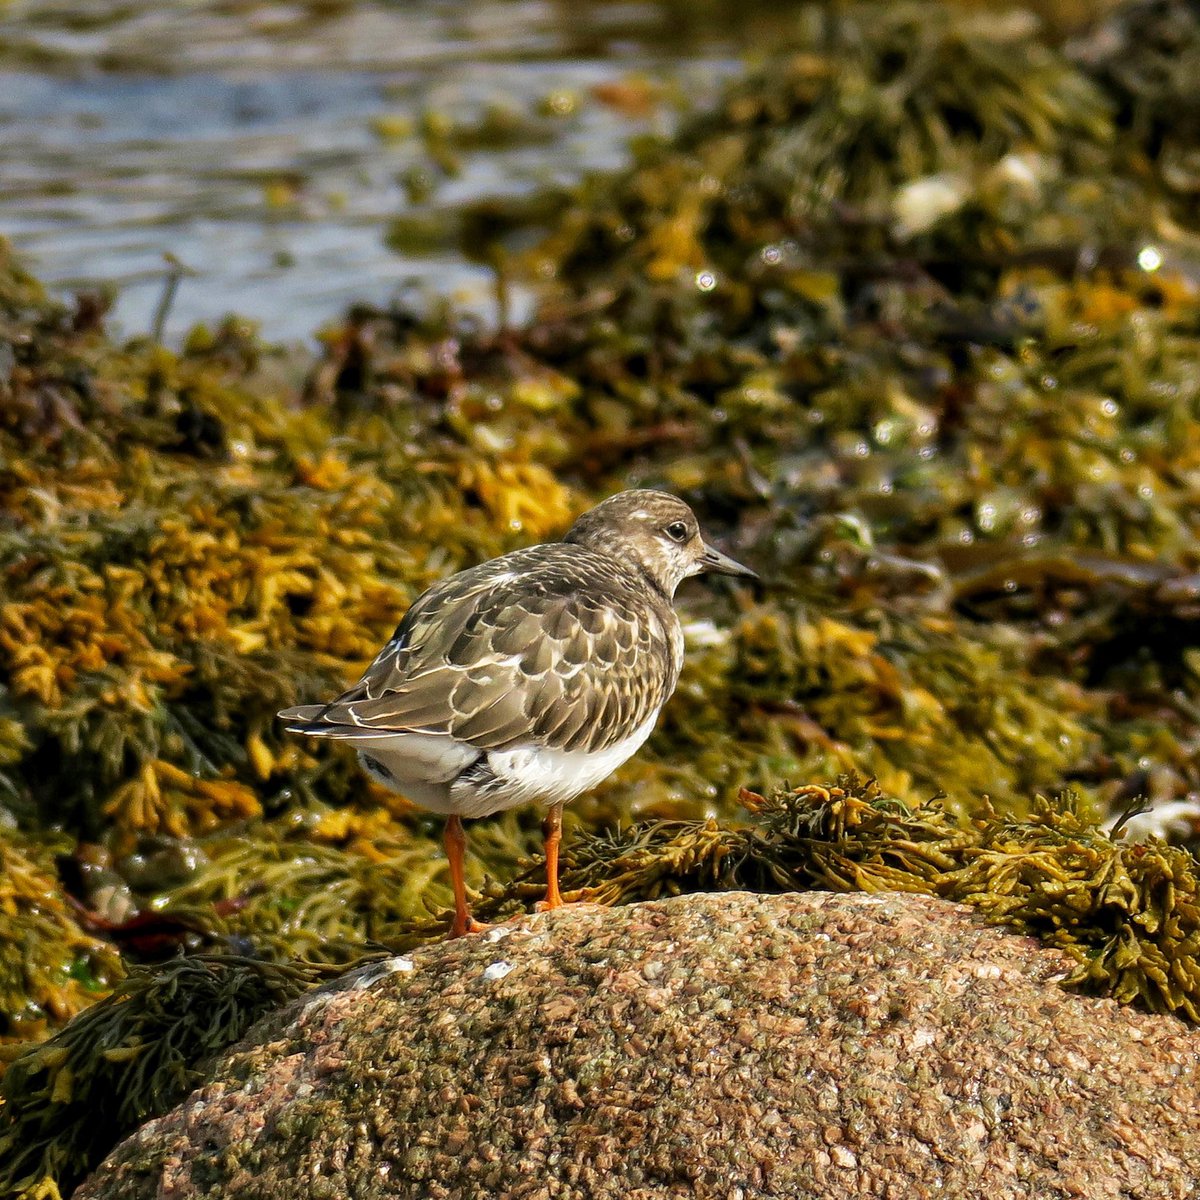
(50, 967)
(135, 1054)
(340, 883)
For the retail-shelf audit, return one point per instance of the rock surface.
(708, 1046)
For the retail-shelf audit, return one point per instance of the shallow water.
(265, 145)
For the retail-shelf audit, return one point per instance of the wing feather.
(546, 646)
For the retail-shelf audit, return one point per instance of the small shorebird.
(529, 678)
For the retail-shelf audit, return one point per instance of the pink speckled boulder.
(719, 1046)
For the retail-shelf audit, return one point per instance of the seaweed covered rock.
(1126, 915)
(704, 1046)
(139, 1051)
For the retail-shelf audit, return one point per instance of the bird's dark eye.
(677, 531)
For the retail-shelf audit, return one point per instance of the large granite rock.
(808, 1045)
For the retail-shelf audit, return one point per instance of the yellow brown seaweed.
(50, 967)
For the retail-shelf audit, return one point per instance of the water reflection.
(267, 146)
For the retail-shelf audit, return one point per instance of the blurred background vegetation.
(905, 303)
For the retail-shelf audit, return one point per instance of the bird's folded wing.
(498, 667)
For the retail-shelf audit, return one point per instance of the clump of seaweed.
(298, 897)
(1146, 55)
(181, 559)
(327, 885)
(66, 1102)
(50, 968)
(885, 130)
(874, 693)
(1128, 914)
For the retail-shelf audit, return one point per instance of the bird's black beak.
(721, 564)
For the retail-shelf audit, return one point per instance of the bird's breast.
(542, 774)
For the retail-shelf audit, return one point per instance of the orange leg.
(552, 835)
(456, 846)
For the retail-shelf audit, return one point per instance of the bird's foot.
(460, 928)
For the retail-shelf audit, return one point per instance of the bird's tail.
(306, 718)
(321, 720)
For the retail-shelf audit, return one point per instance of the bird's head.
(656, 533)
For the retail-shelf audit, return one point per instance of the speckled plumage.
(554, 643)
(529, 678)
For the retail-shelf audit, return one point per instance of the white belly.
(524, 775)
(547, 776)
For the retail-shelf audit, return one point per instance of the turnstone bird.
(529, 678)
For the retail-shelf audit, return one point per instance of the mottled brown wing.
(542, 647)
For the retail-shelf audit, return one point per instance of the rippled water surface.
(268, 146)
